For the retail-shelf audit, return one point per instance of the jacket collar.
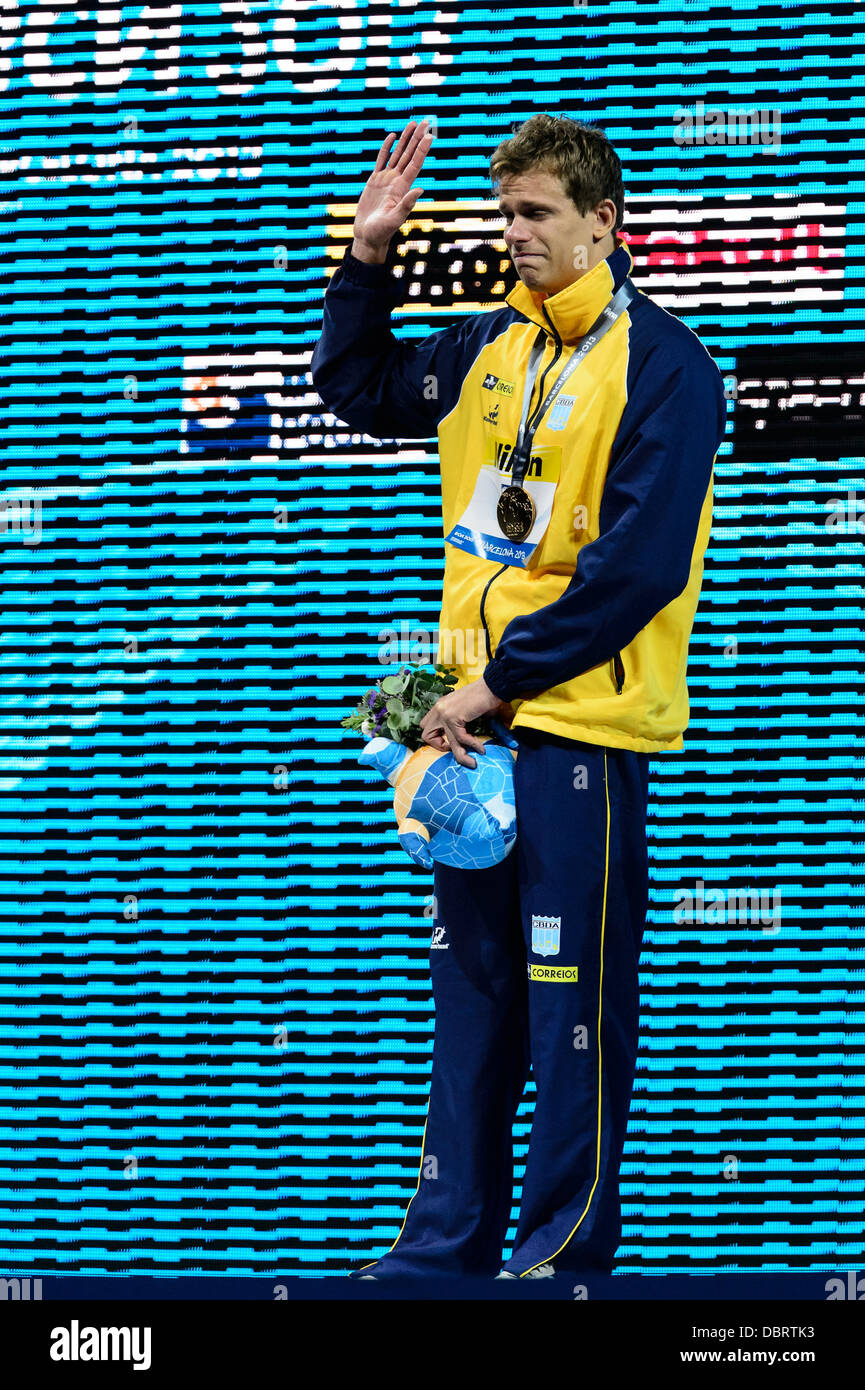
(574, 309)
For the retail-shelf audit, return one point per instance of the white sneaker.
(542, 1272)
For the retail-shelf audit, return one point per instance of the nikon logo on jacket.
(587, 624)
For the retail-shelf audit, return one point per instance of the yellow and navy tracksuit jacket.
(590, 639)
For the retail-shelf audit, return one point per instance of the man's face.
(550, 242)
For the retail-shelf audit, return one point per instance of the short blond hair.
(579, 155)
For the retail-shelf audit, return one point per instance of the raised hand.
(389, 197)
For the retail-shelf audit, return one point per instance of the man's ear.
(604, 220)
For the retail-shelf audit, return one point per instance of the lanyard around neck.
(611, 311)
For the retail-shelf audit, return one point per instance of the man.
(576, 522)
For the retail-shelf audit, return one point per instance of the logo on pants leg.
(560, 973)
(546, 933)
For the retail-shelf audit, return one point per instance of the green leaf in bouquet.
(405, 697)
(394, 685)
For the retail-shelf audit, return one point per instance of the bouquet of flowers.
(446, 812)
(396, 705)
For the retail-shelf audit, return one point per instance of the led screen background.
(216, 1016)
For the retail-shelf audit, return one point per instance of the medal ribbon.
(612, 310)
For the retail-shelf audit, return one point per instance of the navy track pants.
(535, 961)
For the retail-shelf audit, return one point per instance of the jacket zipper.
(483, 601)
(618, 672)
(550, 364)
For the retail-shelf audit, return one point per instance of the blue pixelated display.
(213, 951)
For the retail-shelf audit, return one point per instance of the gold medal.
(515, 513)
